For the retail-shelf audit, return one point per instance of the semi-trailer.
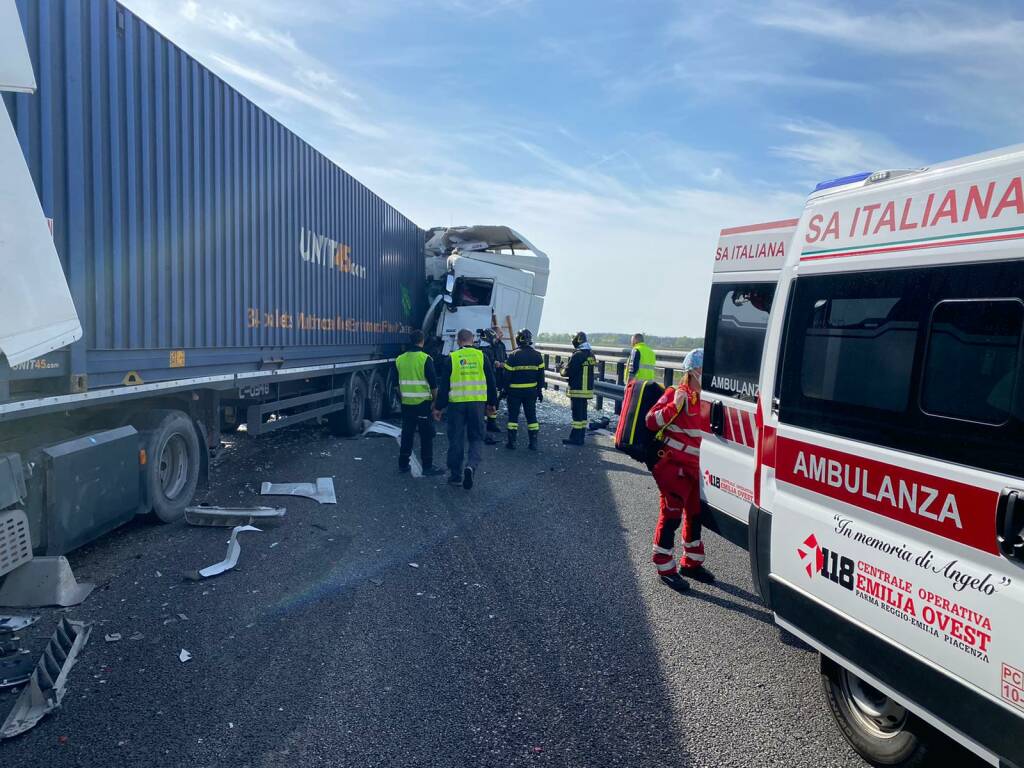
(223, 272)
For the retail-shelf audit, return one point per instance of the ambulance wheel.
(882, 731)
(392, 396)
(375, 396)
(171, 471)
(348, 421)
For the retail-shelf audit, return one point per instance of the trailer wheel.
(376, 394)
(349, 420)
(881, 730)
(172, 464)
(392, 395)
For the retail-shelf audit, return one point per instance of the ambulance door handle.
(717, 418)
(1010, 525)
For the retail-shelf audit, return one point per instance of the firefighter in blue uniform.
(580, 373)
(524, 383)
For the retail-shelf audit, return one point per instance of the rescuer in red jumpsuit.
(676, 417)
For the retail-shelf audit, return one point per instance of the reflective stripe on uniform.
(533, 426)
(512, 427)
(530, 385)
(538, 367)
(662, 551)
(581, 393)
(579, 425)
(665, 567)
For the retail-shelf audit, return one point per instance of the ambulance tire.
(880, 730)
(375, 396)
(348, 421)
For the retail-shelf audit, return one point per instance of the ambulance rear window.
(737, 321)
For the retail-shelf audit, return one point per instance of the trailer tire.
(882, 731)
(376, 393)
(173, 462)
(392, 395)
(348, 421)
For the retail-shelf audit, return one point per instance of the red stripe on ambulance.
(956, 511)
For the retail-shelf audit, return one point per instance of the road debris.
(12, 624)
(231, 558)
(48, 683)
(183, 617)
(414, 565)
(231, 517)
(184, 656)
(390, 430)
(43, 581)
(113, 637)
(136, 636)
(322, 492)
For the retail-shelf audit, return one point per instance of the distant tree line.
(622, 340)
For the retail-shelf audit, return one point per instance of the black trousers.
(417, 418)
(528, 403)
(579, 413)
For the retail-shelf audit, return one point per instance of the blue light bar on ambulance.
(841, 181)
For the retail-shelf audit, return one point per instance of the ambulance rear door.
(747, 264)
(895, 478)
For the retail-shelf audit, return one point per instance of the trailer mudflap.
(92, 487)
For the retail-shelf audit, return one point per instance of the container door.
(898, 489)
(737, 320)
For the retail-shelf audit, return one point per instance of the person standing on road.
(524, 377)
(417, 385)
(641, 360)
(580, 373)
(467, 391)
(496, 354)
(676, 419)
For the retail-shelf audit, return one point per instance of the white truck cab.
(488, 276)
(890, 474)
(748, 262)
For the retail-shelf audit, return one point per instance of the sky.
(618, 137)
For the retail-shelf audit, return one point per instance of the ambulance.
(887, 510)
(748, 262)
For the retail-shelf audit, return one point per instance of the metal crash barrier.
(611, 362)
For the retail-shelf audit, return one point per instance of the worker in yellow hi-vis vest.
(466, 389)
(417, 385)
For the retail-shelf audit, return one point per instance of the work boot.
(533, 441)
(699, 573)
(403, 468)
(511, 444)
(492, 425)
(467, 478)
(575, 438)
(488, 440)
(432, 471)
(454, 480)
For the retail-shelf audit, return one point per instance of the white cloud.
(832, 151)
(341, 117)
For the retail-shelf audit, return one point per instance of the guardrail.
(610, 360)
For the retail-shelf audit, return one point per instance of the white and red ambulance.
(889, 488)
(748, 262)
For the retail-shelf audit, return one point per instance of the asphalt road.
(416, 624)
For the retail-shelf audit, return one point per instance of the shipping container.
(198, 234)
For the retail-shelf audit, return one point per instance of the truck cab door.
(737, 319)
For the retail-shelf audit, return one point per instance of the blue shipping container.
(196, 231)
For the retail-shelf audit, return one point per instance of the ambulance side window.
(971, 369)
(737, 321)
(928, 360)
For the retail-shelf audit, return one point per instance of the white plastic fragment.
(414, 565)
(390, 430)
(322, 492)
(184, 656)
(231, 558)
(113, 637)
